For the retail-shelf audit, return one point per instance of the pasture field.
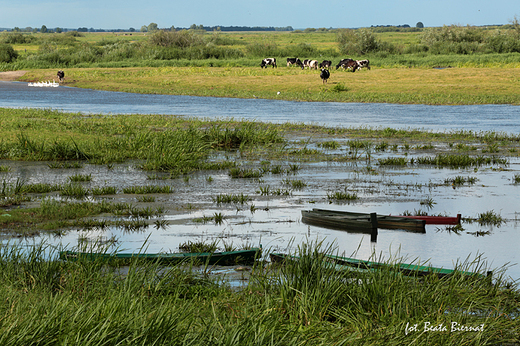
(391, 85)
(227, 64)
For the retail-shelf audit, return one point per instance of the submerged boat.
(221, 258)
(436, 220)
(353, 264)
(360, 222)
(405, 268)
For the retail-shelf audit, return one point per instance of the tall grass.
(303, 302)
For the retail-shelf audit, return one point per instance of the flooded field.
(269, 212)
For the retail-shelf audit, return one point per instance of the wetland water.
(276, 221)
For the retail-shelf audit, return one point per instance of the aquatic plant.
(239, 172)
(490, 218)
(103, 190)
(80, 177)
(144, 189)
(231, 198)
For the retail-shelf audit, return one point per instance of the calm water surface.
(499, 118)
(277, 220)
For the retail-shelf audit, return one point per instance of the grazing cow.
(348, 63)
(363, 63)
(306, 63)
(294, 61)
(313, 64)
(268, 61)
(324, 75)
(326, 64)
(60, 75)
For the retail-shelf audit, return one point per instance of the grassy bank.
(392, 85)
(302, 303)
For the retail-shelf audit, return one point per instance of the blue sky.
(300, 14)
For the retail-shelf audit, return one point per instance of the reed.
(144, 189)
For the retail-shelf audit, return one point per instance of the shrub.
(7, 53)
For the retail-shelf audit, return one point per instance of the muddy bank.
(10, 76)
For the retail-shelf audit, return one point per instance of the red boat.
(436, 220)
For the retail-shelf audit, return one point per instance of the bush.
(7, 53)
(360, 42)
(179, 39)
(17, 38)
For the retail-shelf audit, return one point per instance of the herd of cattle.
(325, 65)
(350, 64)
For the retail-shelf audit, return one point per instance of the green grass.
(144, 189)
(299, 303)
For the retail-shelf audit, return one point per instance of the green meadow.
(448, 65)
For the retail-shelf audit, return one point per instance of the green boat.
(221, 258)
(406, 269)
(360, 222)
(282, 258)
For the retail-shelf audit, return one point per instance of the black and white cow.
(348, 63)
(326, 64)
(313, 64)
(268, 61)
(324, 75)
(363, 63)
(60, 75)
(294, 61)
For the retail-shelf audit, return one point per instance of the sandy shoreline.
(11, 75)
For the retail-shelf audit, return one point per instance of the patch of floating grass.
(460, 180)
(238, 172)
(4, 168)
(341, 196)
(393, 161)
(231, 198)
(516, 179)
(144, 189)
(146, 199)
(40, 188)
(295, 184)
(329, 145)
(459, 161)
(198, 246)
(74, 190)
(490, 218)
(80, 177)
(103, 190)
(60, 164)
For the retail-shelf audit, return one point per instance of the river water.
(276, 223)
(498, 118)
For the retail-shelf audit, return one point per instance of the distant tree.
(419, 25)
(193, 26)
(152, 27)
(172, 28)
(144, 28)
(16, 29)
(309, 30)
(131, 30)
(82, 29)
(35, 30)
(43, 30)
(59, 30)
(28, 29)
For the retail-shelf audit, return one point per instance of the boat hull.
(359, 222)
(220, 258)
